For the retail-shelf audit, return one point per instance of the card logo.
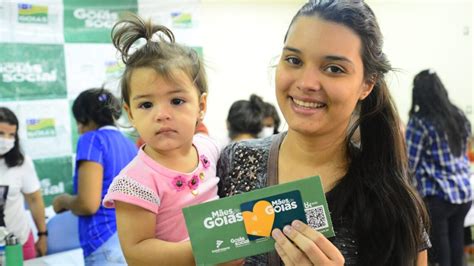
(263, 215)
(259, 222)
(222, 217)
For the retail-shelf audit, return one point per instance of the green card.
(263, 215)
(239, 226)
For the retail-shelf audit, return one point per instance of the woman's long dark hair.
(431, 102)
(14, 157)
(387, 215)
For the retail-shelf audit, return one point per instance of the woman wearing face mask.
(18, 181)
(271, 121)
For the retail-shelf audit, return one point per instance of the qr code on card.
(316, 217)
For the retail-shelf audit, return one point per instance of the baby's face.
(164, 112)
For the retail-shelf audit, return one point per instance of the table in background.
(66, 258)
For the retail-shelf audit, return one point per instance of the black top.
(252, 164)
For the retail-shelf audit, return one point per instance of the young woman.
(436, 136)
(18, 181)
(332, 68)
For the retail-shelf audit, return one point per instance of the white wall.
(240, 41)
(429, 34)
(240, 38)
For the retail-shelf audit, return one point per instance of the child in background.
(18, 181)
(164, 90)
(102, 151)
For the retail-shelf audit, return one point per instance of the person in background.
(18, 181)
(271, 121)
(332, 64)
(102, 151)
(436, 138)
(244, 120)
(164, 89)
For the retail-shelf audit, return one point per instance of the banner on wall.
(92, 65)
(52, 50)
(55, 176)
(32, 21)
(90, 21)
(31, 71)
(181, 16)
(44, 127)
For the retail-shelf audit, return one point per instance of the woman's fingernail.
(297, 224)
(287, 229)
(276, 234)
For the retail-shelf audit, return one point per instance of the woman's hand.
(307, 246)
(41, 246)
(59, 202)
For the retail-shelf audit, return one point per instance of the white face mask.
(266, 132)
(6, 145)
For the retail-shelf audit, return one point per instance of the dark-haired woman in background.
(271, 121)
(102, 151)
(245, 117)
(18, 180)
(436, 136)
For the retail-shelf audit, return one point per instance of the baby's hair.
(98, 105)
(157, 50)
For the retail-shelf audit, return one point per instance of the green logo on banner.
(39, 128)
(31, 71)
(114, 69)
(182, 19)
(91, 21)
(55, 177)
(28, 13)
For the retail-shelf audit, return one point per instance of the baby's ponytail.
(126, 35)
(144, 44)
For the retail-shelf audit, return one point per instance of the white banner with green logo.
(45, 129)
(31, 71)
(33, 21)
(92, 65)
(56, 176)
(51, 50)
(90, 21)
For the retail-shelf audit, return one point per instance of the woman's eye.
(145, 105)
(177, 101)
(334, 69)
(293, 60)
